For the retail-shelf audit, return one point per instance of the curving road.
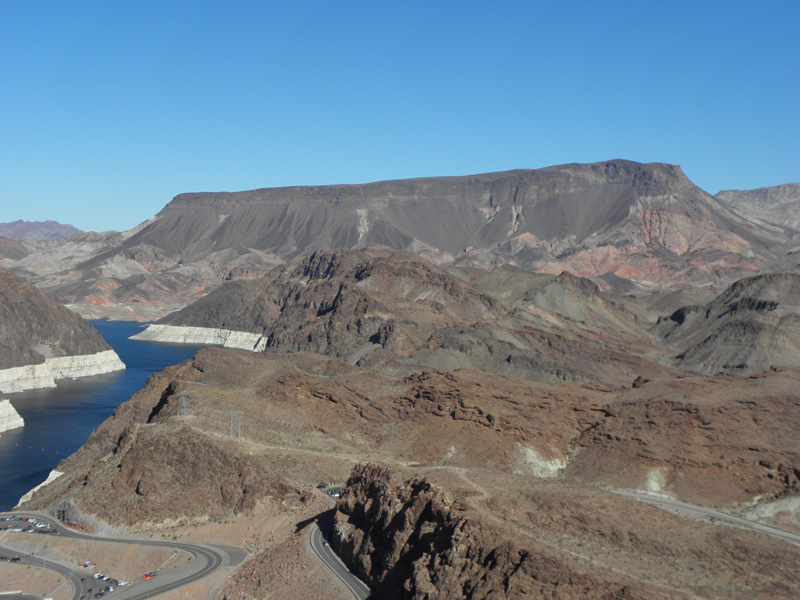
(207, 559)
(325, 553)
(693, 510)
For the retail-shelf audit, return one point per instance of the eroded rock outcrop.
(410, 540)
(380, 307)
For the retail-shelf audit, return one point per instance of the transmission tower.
(183, 404)
(236, 423)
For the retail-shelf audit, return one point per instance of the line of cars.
(27, 525)
(110, 584)
(9, 559)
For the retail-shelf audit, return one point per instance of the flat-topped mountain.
(41, 340)
(32, 231)
(629, 226)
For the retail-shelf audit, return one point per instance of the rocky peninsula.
(41, 341)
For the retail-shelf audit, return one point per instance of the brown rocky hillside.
(753, 326)
(380, 307)
(488, 486)
(33, 327)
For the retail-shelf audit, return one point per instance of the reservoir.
(58, 420)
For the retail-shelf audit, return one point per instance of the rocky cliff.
(413, 541)
(44, 375)
(41, 341)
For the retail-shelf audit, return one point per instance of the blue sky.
(109, 109)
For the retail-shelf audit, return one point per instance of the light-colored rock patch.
(29, 377)
(363, 223)
(54, 474)
(9, 417)
(175, 334)
(656, 481)
(531, 462)
(765, 510)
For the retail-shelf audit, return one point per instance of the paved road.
(696, 511)
(69, 573)
(207, 559)
(326, 554)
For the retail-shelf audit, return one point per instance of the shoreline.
(44, 375)
(227, 338)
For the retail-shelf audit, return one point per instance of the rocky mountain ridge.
(379, 307)
(631, 227)
(753, 326)
(413, 541)
(777, 208)
(32, 231)
(382, 308)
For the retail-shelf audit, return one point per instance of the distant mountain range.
(630, 227)
(32, 231)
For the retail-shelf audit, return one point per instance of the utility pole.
(236, 423)
(183, 404)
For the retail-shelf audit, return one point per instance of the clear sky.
(110, 108)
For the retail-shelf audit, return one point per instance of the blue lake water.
(58, 420)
